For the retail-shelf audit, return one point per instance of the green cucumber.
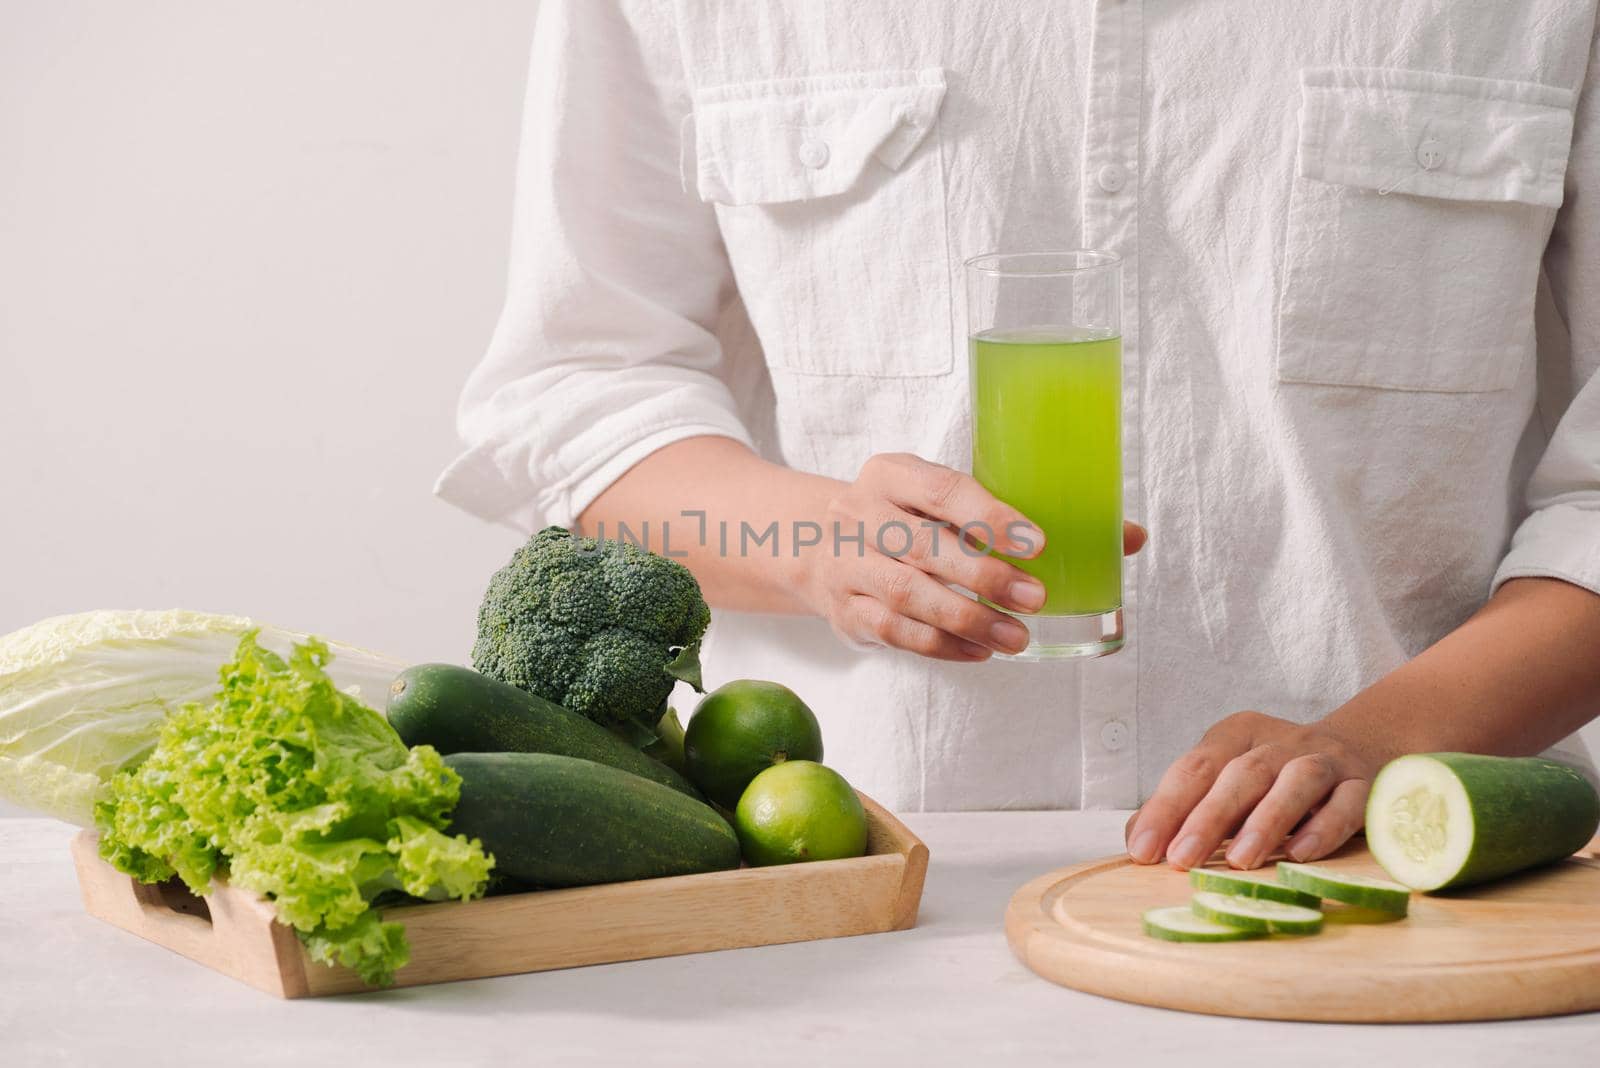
(554, 821)
(1227, 882)
(1440, 820)
(457, 710)
(1362, 891)
(1254, 913)
(1178, 923)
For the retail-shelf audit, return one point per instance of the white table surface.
(77, 991)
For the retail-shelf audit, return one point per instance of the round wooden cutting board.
(1525, 946)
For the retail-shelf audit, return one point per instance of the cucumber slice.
(1362, 891)
(1178, 923)
(1438, 820)
(1227, 882)
(1256, 914)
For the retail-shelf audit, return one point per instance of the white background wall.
(248, 252)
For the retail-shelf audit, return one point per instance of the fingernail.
(1187, 853)
(1245, 850)
(1010, 635)
(1026, 540)
(1304, 847)
(1027, 594)
(1143, 848)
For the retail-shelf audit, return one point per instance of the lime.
(799, 810)
(743, 728)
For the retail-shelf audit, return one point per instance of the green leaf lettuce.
(300, 793)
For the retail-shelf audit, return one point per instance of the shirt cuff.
(1560, 541)
(493, 481)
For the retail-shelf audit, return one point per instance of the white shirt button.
(1114, 735)
(1430, 154)
(1112, 177)
(814, 154)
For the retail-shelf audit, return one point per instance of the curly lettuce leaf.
(305, 796)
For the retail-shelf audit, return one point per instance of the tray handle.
(886, 834)
(229, 930)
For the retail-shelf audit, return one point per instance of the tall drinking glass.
(1046, 363)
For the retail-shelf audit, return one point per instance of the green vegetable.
(1255, 914)
(306, 796)
(1438, 820)
(601, 627)
(668, 746)
(1358, 890)
(457, 710)
(559, 821)
(1229, 883)
(1178, 923)
(84, 696)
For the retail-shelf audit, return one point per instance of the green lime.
(800, 810)
(743, 728)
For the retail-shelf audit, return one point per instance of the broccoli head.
(602, 627)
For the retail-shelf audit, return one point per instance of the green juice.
(1047, 440)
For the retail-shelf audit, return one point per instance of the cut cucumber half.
(1178, 923)
(1256, 914)
(1439, 820)
(1227, 882)
(1363, 891)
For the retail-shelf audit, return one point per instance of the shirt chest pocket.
(831, 199)
(1417, 222)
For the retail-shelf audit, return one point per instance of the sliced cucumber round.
(1178, 923)
(1255, 914)
(1363, 891)
(1227, 882)
(1439, 820)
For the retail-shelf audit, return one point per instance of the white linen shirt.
(1339, 224)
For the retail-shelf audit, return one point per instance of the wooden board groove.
(1527, 946)
(542, 930)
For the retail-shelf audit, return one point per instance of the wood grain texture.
(537, 931)
(232, 931)
(1525, 946)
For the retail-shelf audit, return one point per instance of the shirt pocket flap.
(802, 138)
(1437, 135)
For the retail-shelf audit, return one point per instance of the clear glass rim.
(1042, 264)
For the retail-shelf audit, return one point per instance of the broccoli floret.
(602, 627)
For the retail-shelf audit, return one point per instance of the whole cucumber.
(555, 821)
(457, 710)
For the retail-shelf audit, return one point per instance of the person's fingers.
(1303, 782)
(910, 592)
(1240, 786)
(938, 549)
(1133, 537)
(954, 497)
(1339, 818)
(1182, 787)
(866, 618)
(1127, 828)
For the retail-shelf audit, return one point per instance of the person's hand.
(1258, 778)
(882, 595)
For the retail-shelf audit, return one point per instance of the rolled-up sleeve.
(1560, 537)
(606, 348)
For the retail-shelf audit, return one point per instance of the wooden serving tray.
(235, 932)
(1524, 946)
